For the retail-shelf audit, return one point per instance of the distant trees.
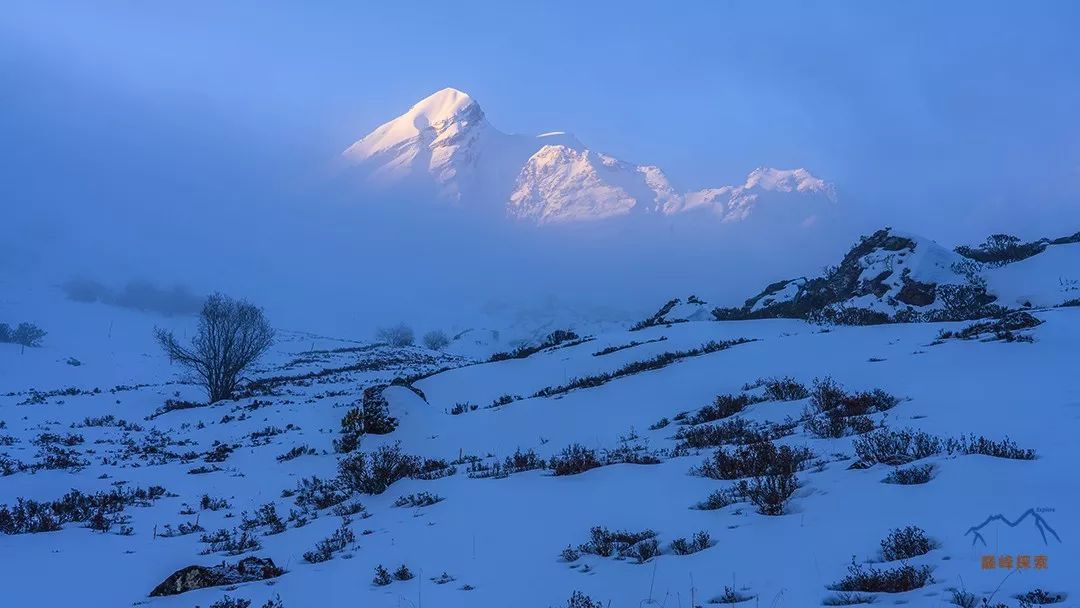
(232, 335)
(436, 340)
(396, 335)
(26, 334)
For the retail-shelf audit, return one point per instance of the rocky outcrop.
(199, 577)
(886, 277)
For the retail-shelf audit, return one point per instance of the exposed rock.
(916, 293)
(199, 577)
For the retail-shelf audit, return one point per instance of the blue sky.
(123, 119)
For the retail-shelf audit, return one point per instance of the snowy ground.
(501, 539)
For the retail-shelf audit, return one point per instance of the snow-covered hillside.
(445, 145)
(513, 477)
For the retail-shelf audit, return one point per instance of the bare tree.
(397, 335)
(232, 335)
(436, 340)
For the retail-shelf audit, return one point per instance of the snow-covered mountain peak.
(442, 105)
(448, 111)
(444, 146)
(739, 202)
(787, 180)
(561, 183)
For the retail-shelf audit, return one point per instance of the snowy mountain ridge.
(445, 145)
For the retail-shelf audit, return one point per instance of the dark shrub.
(296, 452)
(913, 475)
(519, 461)
(720, 499)
(1001, 249)
(325, 549)
(1038, 597)
(580, 600)
(731, 596)
(889, 580)
(784, 389)
(737, 431)
(845, 598)
(29, 516)
(208, 503)
(754, 460)
(555, 338)
(723, 406)
(631, 344)
(266, 516)
(1004, 448)
(905, 543)
(371, 416)
(373, 473)
(770, 493)
(420, 499)
(699, 542)
(605, 543)
(659, 424)
(962, 302)
(833, 412)
(382, 576)
(896, 447)
(504, 400)
(636, 367)
(461, 408)
(403, 573)
(231, 542)
(319, 494)
(570, 554)
(644, 550)
(574, 459)
(231, 602)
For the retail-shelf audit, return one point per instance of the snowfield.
(500, 539)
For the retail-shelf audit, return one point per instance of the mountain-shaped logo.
(1031, 515)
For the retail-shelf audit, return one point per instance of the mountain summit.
(445, 148)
